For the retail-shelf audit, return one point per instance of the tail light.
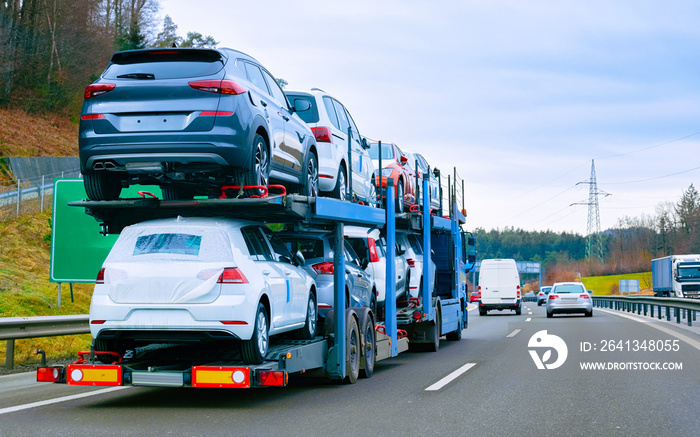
(232, 275)
(479, 293)
(411, 263)
(479, 289)
(215, 113)
(553, 296)
(49, 374)
(373, 255)
(92, 116)
(217, 86)
(100, 276)
(584, 296)
(325, 268)
(322, 134)
(97, 89)
(272, 378)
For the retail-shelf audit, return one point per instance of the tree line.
(629, 247)
(50, 50)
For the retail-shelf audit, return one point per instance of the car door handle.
(347, 272)
(283, 116)
(287, 272)
(266, 272)
(264, 103)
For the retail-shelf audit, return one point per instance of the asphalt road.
(499, 390)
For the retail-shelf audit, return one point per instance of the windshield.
(690, 272)
(387, 151)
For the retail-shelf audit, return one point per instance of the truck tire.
(353, 348)
(369, 343)
(308, 332)
(255, 349)
(456, 335)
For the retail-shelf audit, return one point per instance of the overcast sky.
(519, 96)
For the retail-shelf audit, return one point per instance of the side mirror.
(364, 264)
(299, 259)
(400, 250)
(301, 105)
(404, 160)
(365, 144)
(436, 172)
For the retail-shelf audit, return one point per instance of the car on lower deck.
(318, 249)
(412, 247)
(346, 170)
(569, 297)
(191, 121)
(201, 280)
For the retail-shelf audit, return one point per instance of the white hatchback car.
(412, 246)
(329, 120)
(569, 297)
(203, 280)
(418, 162)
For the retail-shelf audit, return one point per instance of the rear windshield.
(164, 64)
(415, 244)
(309, 247)
(311, 114)
(387, 151)
(568, 288)
(139, 245)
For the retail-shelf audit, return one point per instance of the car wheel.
(353, 349)
(399, 198)
(308, 332)
(482, 312)
(518, 311)
(550, 315)
(311, 182)
(102, 185)
(255, 349)
(539, 304)
(259, 173)
(589, 313)
(177, 193)
(369, 343)
(372, 196)
(341, 186)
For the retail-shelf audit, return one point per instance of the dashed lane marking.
(514, 333)
(451, 377)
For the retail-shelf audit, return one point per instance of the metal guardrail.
(13, 328)
(682, 308)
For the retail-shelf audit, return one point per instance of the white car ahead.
(201, 279)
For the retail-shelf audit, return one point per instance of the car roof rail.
(317, 89)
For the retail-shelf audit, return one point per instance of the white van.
(499, 286)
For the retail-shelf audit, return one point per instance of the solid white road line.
(690, 341)
(514, 333)
(449, 378)
(57, 400)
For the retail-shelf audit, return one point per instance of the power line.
(649, 147)
(654, 178)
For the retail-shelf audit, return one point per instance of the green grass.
(605, 285)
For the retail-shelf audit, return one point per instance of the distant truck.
(676, 276)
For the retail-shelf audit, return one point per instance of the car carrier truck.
(676, 276)
(345, 349)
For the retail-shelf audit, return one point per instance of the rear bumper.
(500, 305)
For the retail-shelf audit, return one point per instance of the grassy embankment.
(25, 289)
(606, 285)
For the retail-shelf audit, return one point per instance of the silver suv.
(330, 122)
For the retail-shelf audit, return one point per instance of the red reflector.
(323, 307)
(97, 89)
(92, 116)
(215, 113)
(411, 263)
(97, 322)
(585, 296)
(220, 377)
(217, 86)
(554, 296)
(233, 322)
(325, 268)
(322, 134)
(326, 176)
(373, 256)
(100, 276)
(232, 275)
(272, 378)
(48, 374)
(94, 374)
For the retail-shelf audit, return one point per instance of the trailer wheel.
(308, 332)
(255, 349)
(354, 349)
(369, 343)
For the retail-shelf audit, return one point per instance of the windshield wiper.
(137, 76)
